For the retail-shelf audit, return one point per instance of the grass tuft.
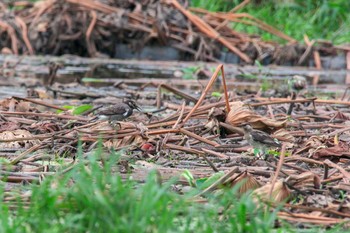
(323, 19)
(93, 198)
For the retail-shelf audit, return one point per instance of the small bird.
(297, 83)
(118, 112)
(259, 139)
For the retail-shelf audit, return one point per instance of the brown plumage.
(259, 139)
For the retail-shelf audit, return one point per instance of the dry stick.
(18, 179)
(317, 59)
(316, 101)
(232, 128)
(39, 137)
(271, 112)
(162, 123)
(323, 210)
(236, 8)
(209, 31)
(306, 53)
(154, 132)
(347, 79)
(209, 138)
(159, 97)
(306, 160)
(283, 102)
(91, 46)
(228, 109)
(279, 166)
(11, 32)
(40, 103)
(204, 93)
(326, 169)
(291, 106)
(202, 109)
(332, 179)
(339, 131)
(199, 138)
(173, 90)
(96, 6)
(44, 115)
(346, 175)
(192, 151)
(254, 21)
(218, 182)
(308, 218)
(44, 7)
(176, 123)
(23, 25)
(25, 153)
(218, 154)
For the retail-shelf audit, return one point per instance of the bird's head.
(297, 83)
(132, 104)
(247, 128)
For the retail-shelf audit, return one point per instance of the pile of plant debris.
(148, 29)
(196, 137)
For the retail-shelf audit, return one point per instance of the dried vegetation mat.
(95, 28)
(195, 136)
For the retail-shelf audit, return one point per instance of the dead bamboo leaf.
(243, 115)
(17, 134)
(246, 181)
(132, 142)
(304, 180)
(279, 193)
(341, 149)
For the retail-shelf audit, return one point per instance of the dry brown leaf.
(45, 127)
(244, 115)
(236, 104)
(8, 126)
(134, 141)
(23, 106)
(284, 135)
(247, 182)
(19, 133)
(318, 200)
(305, 179)
(5, 103)
(340, 116)
(342, 149)
(279, 193)
(6, 51)
(315, 141)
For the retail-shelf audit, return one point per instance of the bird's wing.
(113, 110)
(264, 138)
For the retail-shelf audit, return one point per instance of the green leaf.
(189, 177)
(81, 109)
(206, 182)
(189, 72)
(216, 94)
(201, 181)
(90, 80)
(69, 107)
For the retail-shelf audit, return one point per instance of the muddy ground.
(187, 123)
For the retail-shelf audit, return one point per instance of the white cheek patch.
(126, 113)
(103, 117)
